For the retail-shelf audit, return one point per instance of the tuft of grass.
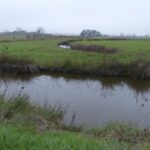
(19, 110)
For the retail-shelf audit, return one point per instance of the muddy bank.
(137, 69)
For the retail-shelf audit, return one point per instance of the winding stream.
(94, 101)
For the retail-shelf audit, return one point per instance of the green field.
(47, 52)
(128, 50)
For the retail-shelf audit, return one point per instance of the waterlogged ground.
(92, 101)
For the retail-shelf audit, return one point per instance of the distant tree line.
(20, 33)
(90, 33)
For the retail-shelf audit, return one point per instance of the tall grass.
(19, 110)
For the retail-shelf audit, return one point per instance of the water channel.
(94, 101)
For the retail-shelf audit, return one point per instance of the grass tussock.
(20, 111)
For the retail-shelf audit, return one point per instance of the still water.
(94, 101)
(64, 46)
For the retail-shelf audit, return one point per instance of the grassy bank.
(45, 55)
(17, 138)
(28, 126)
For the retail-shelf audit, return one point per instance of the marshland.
(92, 88)
(74, 75)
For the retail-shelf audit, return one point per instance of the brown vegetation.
(94, 48)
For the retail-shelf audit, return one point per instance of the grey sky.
(71, 16)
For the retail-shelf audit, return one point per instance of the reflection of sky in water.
(93, 102)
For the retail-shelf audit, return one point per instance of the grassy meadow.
(47, 53)
(28, 126)
(128, 50)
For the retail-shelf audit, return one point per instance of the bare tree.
(40, 30)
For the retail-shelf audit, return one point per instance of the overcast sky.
(71, 16)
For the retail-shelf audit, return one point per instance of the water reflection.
(64, 46)
(94, 101)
